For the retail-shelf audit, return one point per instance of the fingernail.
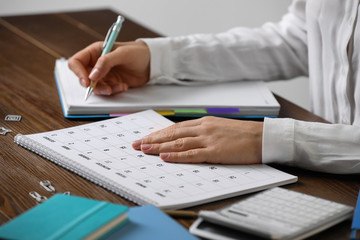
(118, 88)
(164, 156)
(94, 75)
(104, 91)
(145, 147)
(136, 144)
(83, 82)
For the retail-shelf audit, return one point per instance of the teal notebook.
(149, 222)
(66, 217)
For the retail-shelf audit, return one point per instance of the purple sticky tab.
(222, 110)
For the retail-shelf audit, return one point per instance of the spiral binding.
(82, 171)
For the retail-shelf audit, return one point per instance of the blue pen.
(107, 46)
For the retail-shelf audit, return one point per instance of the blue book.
(149, 222)
(66, 217)
(355, 227)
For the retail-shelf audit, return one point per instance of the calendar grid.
(105, 147)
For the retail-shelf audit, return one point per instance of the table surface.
(29, 46)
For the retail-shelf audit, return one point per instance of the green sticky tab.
(190, 111)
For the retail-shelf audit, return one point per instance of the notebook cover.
(149, 222)
(355, 227)
(62, 217)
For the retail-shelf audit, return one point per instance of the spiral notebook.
(102, 153)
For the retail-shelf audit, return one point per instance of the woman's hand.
(128, 65)
(208, 139)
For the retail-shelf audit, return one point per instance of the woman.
(318, 38)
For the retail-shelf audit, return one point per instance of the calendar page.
(102, 152)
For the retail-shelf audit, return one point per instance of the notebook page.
(253, 97)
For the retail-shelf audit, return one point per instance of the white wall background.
(172, 18)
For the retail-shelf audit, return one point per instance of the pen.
(107, 46)
(181, 213)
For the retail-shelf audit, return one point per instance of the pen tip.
(87, 94)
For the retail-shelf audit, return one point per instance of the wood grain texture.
(29, 46)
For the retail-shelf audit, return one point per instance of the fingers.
(175, 131)
(106, 62)
(178, 145)
(78, 68)
(200, 155)
(112, 85)
(84, 60)
(182, 150)
(91, 58)
(103, 65)
(128, 65)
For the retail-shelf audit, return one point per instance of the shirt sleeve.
(333, 148)
(274, 51)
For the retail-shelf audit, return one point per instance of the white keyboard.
(279, 213)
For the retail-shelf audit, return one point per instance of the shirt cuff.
(160, 60)
(278, 140)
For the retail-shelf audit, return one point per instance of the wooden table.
(29, 46)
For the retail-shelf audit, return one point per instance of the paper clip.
(13, 118)
(37, 197)
(4, 131)
(47, 185)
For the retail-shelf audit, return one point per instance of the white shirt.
(317, 38)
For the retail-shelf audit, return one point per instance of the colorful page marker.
(222, 110)
(165, 112)
(190, 111)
